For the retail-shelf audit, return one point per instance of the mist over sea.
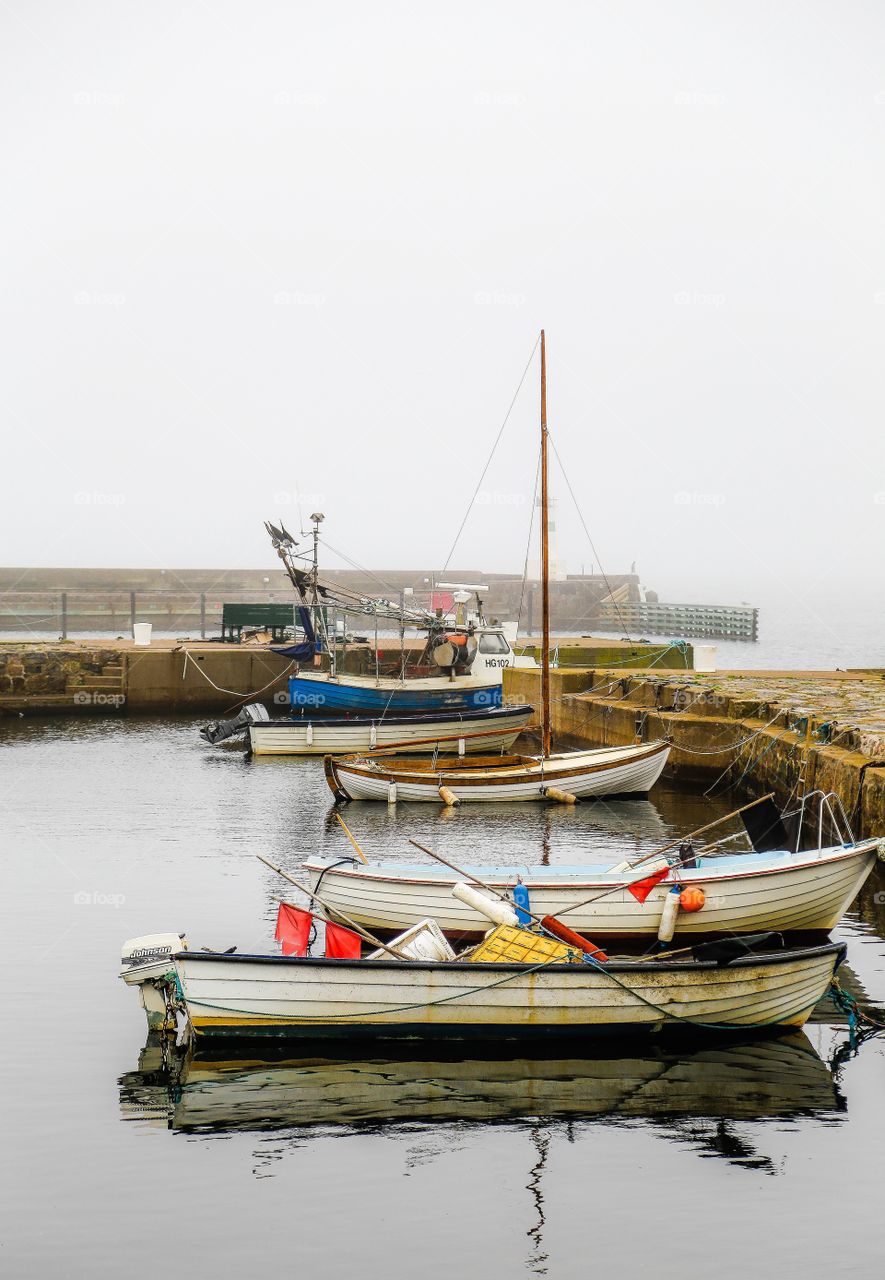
(800, 637)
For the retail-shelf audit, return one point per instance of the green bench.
(275, 618)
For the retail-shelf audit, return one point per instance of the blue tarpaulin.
(309, 646)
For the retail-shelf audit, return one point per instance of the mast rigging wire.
(354, 564)
(528, 547)
(491, 455)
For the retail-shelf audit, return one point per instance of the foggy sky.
(261, 253)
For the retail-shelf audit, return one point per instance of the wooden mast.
(545, 565)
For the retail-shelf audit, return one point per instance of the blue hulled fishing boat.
(460, 668)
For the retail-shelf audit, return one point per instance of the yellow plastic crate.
(506, 945)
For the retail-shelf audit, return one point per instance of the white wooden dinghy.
(299, 997)
(743, 893)
(605, 771)
(455, 732)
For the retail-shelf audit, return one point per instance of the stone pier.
(751, 730)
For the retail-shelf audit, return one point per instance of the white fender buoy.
(391, 793)
(492, 908)
(667, 927)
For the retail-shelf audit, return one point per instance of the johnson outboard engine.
(221, 730)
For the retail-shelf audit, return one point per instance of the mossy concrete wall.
(79, 678)
(617, 654)
(732, 734)
(60, 678)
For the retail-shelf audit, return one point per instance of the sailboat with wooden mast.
(562, 776)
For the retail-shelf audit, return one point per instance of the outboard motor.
(149, 956)
(145, 964)
(221, 730)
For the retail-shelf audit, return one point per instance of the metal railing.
(829, 805)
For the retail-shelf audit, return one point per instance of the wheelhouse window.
(493, 642)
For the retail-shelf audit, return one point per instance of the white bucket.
(705, 657)
(141, 632)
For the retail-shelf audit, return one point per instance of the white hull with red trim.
(745, 893)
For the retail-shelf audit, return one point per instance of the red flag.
(342, 944)
(642, 888)
(293, 929)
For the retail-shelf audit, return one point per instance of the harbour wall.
(752, 731)
(180, 601)
(89, 677)
(71, 679)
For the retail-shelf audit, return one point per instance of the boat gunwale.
(786, 956)
(485, 714)
(503, 774)
(442, 881)
(468, 680)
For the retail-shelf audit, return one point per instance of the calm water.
(652, 1161)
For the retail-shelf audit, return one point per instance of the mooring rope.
(233, 692)
(403, 1008)
(846, 1003)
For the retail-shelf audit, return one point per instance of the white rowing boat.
(296, 998)
(456, 732)
(606, 771)
(744, 893)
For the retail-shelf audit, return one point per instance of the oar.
(548, 922)
(597, 897)
(700, 831)
(464, 875)
(351, 838)
(351, 924)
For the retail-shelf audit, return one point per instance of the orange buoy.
(692, 899)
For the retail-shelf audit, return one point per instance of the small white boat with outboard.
(455, 732)
(304, 997)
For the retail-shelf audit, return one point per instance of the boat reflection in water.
(772, 1077)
